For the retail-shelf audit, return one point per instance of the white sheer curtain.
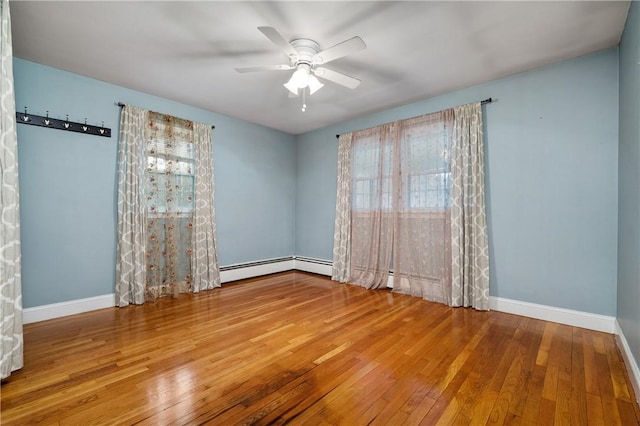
(416, 192)
(422, 243)
(11, 343)
(166, 219)
(373, 167)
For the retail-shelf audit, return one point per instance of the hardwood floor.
(298, 348)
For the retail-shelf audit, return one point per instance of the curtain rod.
(120, 104)
(484, 102)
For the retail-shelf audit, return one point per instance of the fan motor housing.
(306, 49)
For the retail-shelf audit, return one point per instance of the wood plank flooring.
(299, 348)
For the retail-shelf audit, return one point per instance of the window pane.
(372, 166)
(429, 191)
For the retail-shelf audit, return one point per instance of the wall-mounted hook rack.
(54, 123)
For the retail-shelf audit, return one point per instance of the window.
(170, 179)
(160, 208)
(369, 191)
(427, 168)
(424, 173)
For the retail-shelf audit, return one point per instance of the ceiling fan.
(306, 57)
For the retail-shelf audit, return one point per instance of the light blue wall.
(68, 185)
(551, 162)
(552, 180)
(629, 184)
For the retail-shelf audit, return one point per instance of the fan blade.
(264, 68)
(339, 50)
(277, 39)
(337, 77)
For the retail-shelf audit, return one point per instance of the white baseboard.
(323, 267)
(548, 313)
(551, 313)
(629, 361)
(78, 306)
(72, 307)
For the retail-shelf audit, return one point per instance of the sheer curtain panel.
(11, 344)
(422, 237)
(372, 196)
(169, 194)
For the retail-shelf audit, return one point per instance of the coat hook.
(62, 124)
(25, 117)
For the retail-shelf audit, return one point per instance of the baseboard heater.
(258, 263)
(312, 260)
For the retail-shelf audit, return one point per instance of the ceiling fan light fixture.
(299, 80)
(314, 84)
(304, 57)
(301, 77)
(291, 86)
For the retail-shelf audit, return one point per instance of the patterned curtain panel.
(166, 219)
(342, 235)
(206, 272)
(422, 237)
(169, 205)
(469, 241)
(131, 265)
(10, 263)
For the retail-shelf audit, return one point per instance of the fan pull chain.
(304, 100)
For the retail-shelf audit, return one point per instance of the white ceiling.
(187, 51)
